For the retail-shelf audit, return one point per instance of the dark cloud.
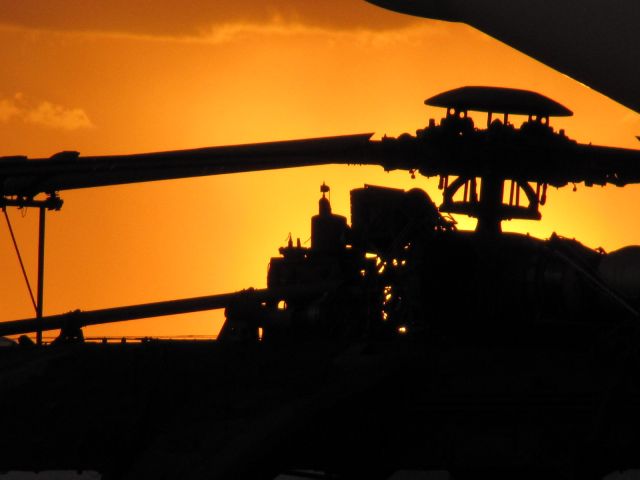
(190, 17)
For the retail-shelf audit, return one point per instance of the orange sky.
(110, 77)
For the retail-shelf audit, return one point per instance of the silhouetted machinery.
(406, 265)
(403, 268)
(402, 271)
(401, 263)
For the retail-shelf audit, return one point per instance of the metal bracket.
(52, 202)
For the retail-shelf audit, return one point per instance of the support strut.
(39, 309)
(52, 202)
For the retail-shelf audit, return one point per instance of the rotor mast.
(489, 207)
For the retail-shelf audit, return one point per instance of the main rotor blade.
(556, 161)
(66, 170)
(79, 319)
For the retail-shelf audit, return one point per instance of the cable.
(24, 272)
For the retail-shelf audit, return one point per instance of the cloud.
(56, 116)
(224, 33)
(43, 113)
(8, 110)
(189, 17)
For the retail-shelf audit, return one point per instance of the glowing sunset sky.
(105, 77)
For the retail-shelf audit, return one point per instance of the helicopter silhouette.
(416, 296)
(479, 163)
(480, 353)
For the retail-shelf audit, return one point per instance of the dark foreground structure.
(395, 342)
(552, 404)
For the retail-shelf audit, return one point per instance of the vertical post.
(39, 304)
(491, 196)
